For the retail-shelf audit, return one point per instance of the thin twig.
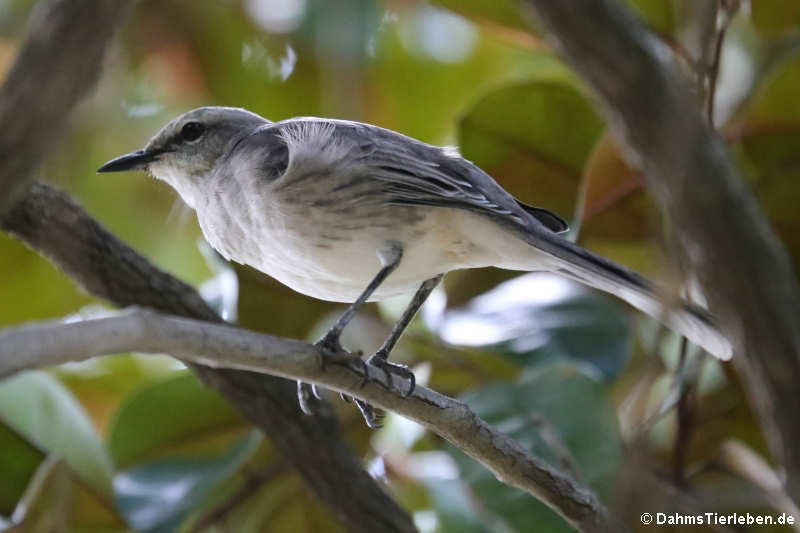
(685, 414)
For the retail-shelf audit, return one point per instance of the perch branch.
(224, 346)
(58, 64)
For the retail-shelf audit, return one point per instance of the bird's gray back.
(385, 167)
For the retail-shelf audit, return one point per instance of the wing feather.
(415, 173)
(392, 168)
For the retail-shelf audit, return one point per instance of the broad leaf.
(18, 462)
(615, 215)
(39, 407)
(533, 138)
(174, 416)
(157, 496)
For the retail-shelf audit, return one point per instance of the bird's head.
(188, 148)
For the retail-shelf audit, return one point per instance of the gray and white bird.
(350, 212)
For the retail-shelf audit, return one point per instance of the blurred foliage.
(18, 462)
(531, 410)
(133, 442)
(543, 128)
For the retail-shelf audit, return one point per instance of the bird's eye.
(192, 131)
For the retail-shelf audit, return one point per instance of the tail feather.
(580, 264)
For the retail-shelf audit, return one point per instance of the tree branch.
(57, 66)
(725, 239)
(223, 346)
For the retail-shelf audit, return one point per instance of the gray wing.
(392, 168)
(415, 173)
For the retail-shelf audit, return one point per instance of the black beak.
(134, 161)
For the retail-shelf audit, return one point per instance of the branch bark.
(723, 236)
(56, 67)
(217, 345)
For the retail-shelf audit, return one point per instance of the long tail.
(591, 269)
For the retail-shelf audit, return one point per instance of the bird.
(351, 212)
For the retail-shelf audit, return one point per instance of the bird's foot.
(308, 397)
(372, 417)
(333, 352)
(380, 360)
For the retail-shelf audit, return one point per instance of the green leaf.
(572, 400)
(174, 415)
(18, 463)
(157, 496)
(615, 216)
(533, 138)
(40, 408)
(613, 202)
(577, 406)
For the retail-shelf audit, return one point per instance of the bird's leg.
(330, 343)
(380, 358)
(390, 258)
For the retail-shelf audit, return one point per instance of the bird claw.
(372, 418)
(333, 352)
(391, 370)
(308, 398)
